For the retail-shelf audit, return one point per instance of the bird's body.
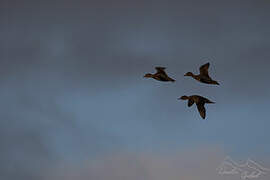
(160, 75)
(199, 101)
(203, 77)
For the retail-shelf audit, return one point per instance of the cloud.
(199, 164)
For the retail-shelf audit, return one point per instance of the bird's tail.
(171, 79)
(210, 102)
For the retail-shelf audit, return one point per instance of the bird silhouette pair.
(203, 77)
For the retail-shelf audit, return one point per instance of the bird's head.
(189, 74)
(148, 75)
(184, 98)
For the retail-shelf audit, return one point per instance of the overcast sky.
(73, 93)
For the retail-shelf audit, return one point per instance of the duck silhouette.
(200, 101)
(160, 75)
(203, 77)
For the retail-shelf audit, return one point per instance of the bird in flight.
(200, 101)
(160, 75)
(203, 77)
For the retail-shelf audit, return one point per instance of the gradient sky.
(73, 93)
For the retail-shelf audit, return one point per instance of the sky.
(74, 103)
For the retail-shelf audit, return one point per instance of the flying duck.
(160, 75)
(200, 101)
(203, 77)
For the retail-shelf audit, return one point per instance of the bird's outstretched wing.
(201, 109)
(161, 70)
(204, 69)
(190, 102)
